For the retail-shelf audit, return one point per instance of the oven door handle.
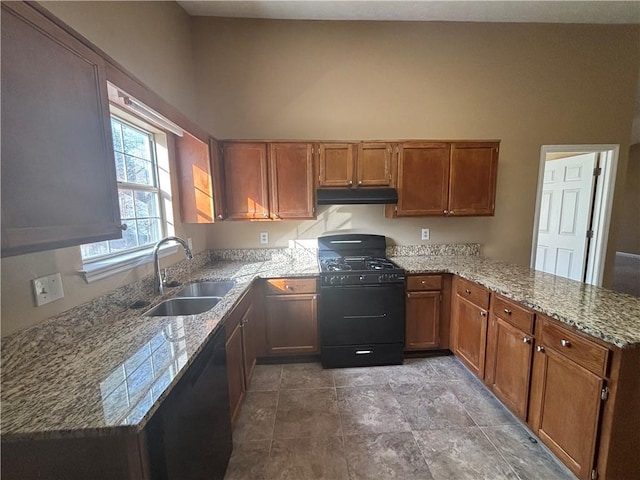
(366, 316)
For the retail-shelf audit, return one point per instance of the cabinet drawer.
(288, 286)
(473, 292)
(424, 282)
(584, 352)
(513, 313)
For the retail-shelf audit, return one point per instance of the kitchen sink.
(183, 306)
(206, 289)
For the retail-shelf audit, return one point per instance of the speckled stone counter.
(602, 313)
(103, 368)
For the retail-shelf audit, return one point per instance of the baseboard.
(628, 255)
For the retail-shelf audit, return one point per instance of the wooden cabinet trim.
(424, 282)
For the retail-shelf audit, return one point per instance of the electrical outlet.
(264, 238)
(425, 234)
(47, 289)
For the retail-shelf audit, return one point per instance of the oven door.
(362, 314)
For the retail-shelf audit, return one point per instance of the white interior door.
(565, 211)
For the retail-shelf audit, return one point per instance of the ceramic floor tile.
(357, 377)
(370, 410)
(307, 413)
(305, 375)
(266, 378)
(412, 372)
(450, 368)
(257, 417)
(385, 456)
(483, 407)
(307, 459)
(462, 454)
(248, 461)
(431, 406)
(529, 460)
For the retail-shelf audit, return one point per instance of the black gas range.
(361, 308)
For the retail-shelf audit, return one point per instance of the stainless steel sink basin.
(183, 306)
(206, 289)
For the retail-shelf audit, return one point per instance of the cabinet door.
(374, 165)
(58, 171)
(249, 343)
(235, 371)
(472, 182)
(245, 169)
(336, 165)
(291, 171)
(195, 180)
(567, 409)
(423, 179)
(292, 326)
(509, 352)
(470, 334)
(217, 171)
(422, 320)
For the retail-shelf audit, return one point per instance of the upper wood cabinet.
(355, 165)
(472, 185)
(291, 180)
(268, 180)
(58, 172)
(246, 184)
(446, 179)
(196, 179)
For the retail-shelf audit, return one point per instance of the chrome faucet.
(158, 281)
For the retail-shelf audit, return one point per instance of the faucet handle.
(163, 277)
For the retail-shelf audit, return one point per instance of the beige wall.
(629, 224)
(152, 40)
(528, 85)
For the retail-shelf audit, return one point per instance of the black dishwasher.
(189, 437)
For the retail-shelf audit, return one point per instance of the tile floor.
(426, 419)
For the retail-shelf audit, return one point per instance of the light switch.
(47, 289)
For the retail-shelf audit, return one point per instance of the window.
(138, 192)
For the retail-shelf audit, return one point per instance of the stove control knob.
(362, 278)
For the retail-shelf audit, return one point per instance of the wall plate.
(47, 289)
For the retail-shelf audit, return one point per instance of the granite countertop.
(102, 368)
(611, 316)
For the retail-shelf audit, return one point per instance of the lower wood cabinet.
(509, 350)
(422, 312)
(291, 317)
(243, 336)
(469, 320)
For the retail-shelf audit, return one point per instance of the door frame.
(602, 204)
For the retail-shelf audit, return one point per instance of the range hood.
(355, 196)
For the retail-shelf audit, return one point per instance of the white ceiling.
(424, 10)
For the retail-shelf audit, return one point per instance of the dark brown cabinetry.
(246, 184)
(58, 171)
(450, 179)
(422, 312)
(469, 324)
(366, 164)
(291, 316)
(291, 180)
(509, 348)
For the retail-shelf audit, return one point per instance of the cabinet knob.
(540, 349)
(507, 311)
(483, 314)
(451, 212)
(423, 282)
(266, 215)
(276, 215)
(220, 217)
(446, 212)
(565, 343)
(467, 291)
(526, 340)
(360, 182)
(123, 227)
(288, 287)
(350, 183)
